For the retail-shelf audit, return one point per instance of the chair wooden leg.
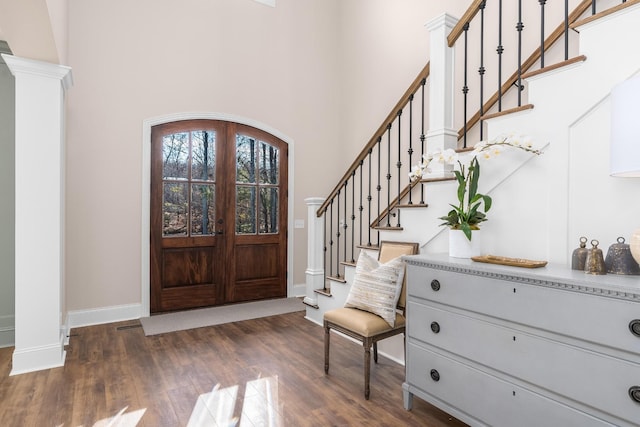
(327, 336)
(367, 367)
(375, 352)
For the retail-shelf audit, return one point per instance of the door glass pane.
(268, 157)
(268, 210)
(174, 208)
(245, 159)
(202, 209)
(203, 155)
(175, 156)
(245, 210)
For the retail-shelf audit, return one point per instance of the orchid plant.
(472, 205)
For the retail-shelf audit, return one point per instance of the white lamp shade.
(625, 129)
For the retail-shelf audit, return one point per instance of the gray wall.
(7, 201)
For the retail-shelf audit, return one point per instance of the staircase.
(542, 205)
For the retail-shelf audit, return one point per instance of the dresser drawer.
(465, 390)
(566, 370)
(597, 319)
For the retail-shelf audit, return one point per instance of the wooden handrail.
(527, 64)
(456, 31)
(415, 85)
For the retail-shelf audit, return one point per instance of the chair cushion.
(361, 322)
(376, 286)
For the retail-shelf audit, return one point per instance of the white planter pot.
(461, 247)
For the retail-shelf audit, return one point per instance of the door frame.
(145, 220)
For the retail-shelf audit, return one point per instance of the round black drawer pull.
(435, 375)
(435, 327)
(634, 327)
(435, 285)
(634, 393)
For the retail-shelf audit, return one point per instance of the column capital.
(314, 201)
(18, 66)
(444, 20)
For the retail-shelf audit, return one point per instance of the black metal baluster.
(369, 198)
(344, 222)
(379, 187)
(324, 252)
(481, 69)
(566, 29)
(593, 7)
(360, 207)
(519, 27)
(399, 165)
(422, 137)
(338, 234)
(331, 240)
(389, 173)
(500, 50)
(542, 3)
(465, 88)
(410, 141)
(353, 214)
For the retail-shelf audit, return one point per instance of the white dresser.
(508, 346)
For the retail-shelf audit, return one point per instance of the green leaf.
(487, 203)
(474, 172)
(466, 230)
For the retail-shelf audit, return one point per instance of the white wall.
(135, 61)
(7, 195)
(384, 45)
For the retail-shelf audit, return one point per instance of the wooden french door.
(218, 214)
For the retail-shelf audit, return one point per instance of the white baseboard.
(97, 316)
(38, 358)
(299, 290)
(7, 331)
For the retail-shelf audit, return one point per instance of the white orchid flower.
(416, 172)
(448, 156)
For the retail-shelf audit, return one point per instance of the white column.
(315, 250)
(441, 133)
(39, 204)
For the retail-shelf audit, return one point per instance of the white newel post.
(39, 213)
(315, 250)
(441, 133)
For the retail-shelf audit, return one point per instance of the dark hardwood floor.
(266, 371)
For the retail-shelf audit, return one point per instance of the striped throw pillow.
(376, 287)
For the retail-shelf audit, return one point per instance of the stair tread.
(351, 263)
(370, 247)
(316, 306)
(438, 179)
(325, 291)
(508, 111)
(339, 279)
(580, 58)
(413, 205)
(389, 228)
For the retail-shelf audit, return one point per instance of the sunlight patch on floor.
(260, 406)
(122, 419)
(215, 408)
